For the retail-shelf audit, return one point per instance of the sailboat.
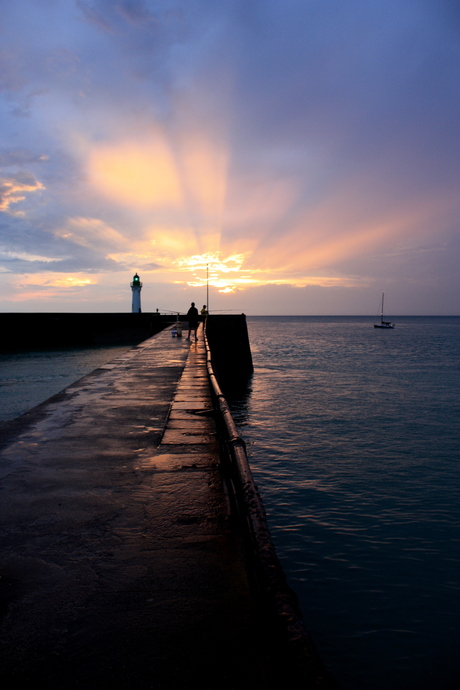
(383, 324)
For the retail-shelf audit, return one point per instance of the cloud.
(134, 11)
(105, 15)
(137, 261)
(93, 16)
(25, 256)
(19, 157)
(14, 188)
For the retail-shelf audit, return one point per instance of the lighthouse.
(136, 287)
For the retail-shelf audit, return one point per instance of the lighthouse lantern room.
(136, 287)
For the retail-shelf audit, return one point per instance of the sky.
(298, 156)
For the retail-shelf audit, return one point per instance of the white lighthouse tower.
(136, 287)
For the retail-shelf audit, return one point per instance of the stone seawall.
(33, 331)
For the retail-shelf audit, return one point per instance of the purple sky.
(306, 151)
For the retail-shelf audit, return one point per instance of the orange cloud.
(48, 286)
(75, 280)
(12, 191)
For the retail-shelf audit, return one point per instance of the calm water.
(29, 378)
(353, 437)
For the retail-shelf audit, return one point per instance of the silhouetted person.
(192, 316)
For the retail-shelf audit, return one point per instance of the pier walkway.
(119, 567)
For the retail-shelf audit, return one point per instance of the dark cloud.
(93, 16)
(356, 73)
(135, 11)
(81, 260)
(111, 15)
(28, 248)
(19, 157)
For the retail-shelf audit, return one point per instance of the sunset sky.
(306, 151)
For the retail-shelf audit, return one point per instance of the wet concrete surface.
(119, 566)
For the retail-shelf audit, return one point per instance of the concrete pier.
(135, 550)
(119, 566)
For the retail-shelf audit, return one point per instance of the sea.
(29, 378)
(353, 438)
(352, 435)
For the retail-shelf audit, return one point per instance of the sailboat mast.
(383, 324)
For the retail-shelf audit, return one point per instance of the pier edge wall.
(276, 599)
(228, 338)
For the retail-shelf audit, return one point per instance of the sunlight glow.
(168, 243)
(135, 174)
(204, 167)
(209, 267)
(53, 280)
(70, 281)
(92, 232)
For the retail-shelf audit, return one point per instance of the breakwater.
(228, 341)
(121, 562)
(32, 331)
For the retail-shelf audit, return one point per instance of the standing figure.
(192, 317)
(204, 311)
